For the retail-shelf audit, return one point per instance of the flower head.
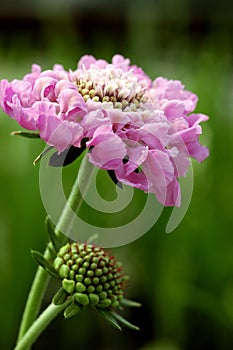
(91, 275)
(147, 127)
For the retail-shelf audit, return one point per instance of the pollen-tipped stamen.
(115, 87)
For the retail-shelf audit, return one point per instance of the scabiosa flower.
(142, 132)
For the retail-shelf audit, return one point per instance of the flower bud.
(90, 275)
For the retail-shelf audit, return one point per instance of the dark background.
(184, 279)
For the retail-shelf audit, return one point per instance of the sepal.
(130, 303)
(72, 310)
(42, 154)
(124, 321)
(52, 235)
(39, 258)
(60, 297)
(30, 135)
(66, 157)
(106, 314)
(113, 177)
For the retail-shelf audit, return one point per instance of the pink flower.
(144, 131)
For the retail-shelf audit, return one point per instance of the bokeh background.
(183, 279)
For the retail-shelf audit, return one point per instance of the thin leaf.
(51, 249)
(53, 273)
(130, 303)
(109, 317)
(30, 135)
(39, 258)
(124, 321)
(52, 235)
(113, 177)
(66, 157)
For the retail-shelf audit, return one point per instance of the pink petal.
(44, 88)
(159, 172)
(72, 104)
(58, 133)
(173, 109)
(108, 151)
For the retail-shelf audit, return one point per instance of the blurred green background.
(184, 279)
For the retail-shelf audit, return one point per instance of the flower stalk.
(50, 313)
(42, 278)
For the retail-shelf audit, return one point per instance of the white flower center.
(111, 85)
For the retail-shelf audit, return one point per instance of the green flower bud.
(81, 298)
(80, 287)
(87, 281)
(71, 274)
(90, 275)
(103, 295)
(98, 272)
(94, 299)
(103, 279)
(115, 304)
(90, 289)
(79, 278)
(82, 270)
(66, 256)
(68, 285)
(95, 280)
(95, 260)
(105, 303)
(93, 266)
(57, 263)
(99, 288)
(106, 285)
(72, 310)
(86, 264)
(64, 271)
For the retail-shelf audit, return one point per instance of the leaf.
(30, 135)
(113, 177)
(124, 321)
(109, 317)
(40, 259)
(130, 303)
(60, 297)
(66, 157)
(52, 250)
(52, 235)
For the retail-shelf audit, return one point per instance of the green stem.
(42, 278)
(40, 324)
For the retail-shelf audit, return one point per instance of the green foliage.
(39, 258)
(52, 235)
(30, 135)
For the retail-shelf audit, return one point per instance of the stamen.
(111, 85)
